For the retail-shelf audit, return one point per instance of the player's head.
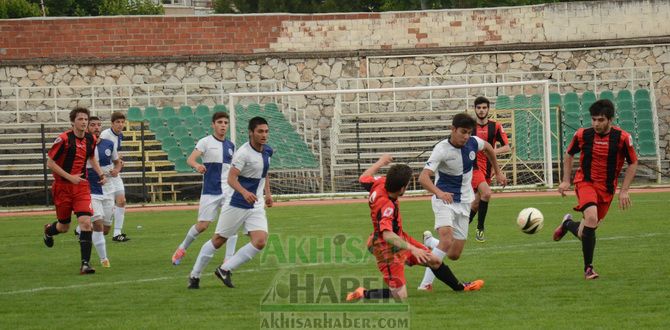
(398, 178)
(258, 130)
(79, 118)
(482, 106)
(94, 125)
(220, 122)
(602, 112)
(461, 129)
(118, 121)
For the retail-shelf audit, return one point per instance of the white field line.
(164, 278)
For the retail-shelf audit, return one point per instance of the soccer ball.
(530, 220)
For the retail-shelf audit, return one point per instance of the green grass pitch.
(531, 281)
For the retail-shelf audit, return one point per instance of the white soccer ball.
(530, 220)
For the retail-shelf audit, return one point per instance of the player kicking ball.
(390, 245)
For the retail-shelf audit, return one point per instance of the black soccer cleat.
(86, 269)
(193, 283)
(48, 240)
(225, 276)
(120, 238)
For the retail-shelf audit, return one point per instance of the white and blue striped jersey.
(216, 157)
(105, 154)
(453, 167)
(253, 167)
(109, 134)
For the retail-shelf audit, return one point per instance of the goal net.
(405, 122)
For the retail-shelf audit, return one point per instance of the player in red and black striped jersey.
(491, 132)
(389, 243)
(603, 149)
(71, 191)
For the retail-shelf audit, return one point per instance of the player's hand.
(103, 179)
(624, 200)
(501, 178)
(421, 255)
(563, 187)
(268, 201)
(200, 169)
(385, 159)
(249, 197)
(446, 197)
(76, 179)
(113, 172)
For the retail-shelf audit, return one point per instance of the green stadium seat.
(627, 125)
(535, 101)
(186, 142)
(168, 112)
(202, 110)
(606, 95)
(647, 148)
(647, 124)
(645, 135)
(181, 166)
(155, 123)
(520, 102)
(642, 104)
(555, 100)
(503, 102)
(151, 112)
(571, 97)
(191, 121)
(641, 94)
(173, 122)
(198, 132)
(624, 106)
(134, 114)
(168, 142)
(175, 153)
(624, 95)
(185, 111)
(206, 120)
(626, 112)
(254, 110)
(271, 108)
(588, 98)
(162, 132)
(179, 131)
(220, 107)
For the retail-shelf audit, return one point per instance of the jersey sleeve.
(573, 147)
(434, 160)
(93, 147)
(239, 159)
(480, 143)
(57, 148)
(501, 136)
(201, 145)
(115, 154)
(387, 211)
(367, 182)
(629, 150)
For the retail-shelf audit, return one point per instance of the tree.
(18, 9)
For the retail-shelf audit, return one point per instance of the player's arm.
(117, 161)
(631, 158)
(502, 149)
(427, 183)
(267, 193)
(192, 161)
(383, 160)
(567, 173)
(234, 183)
(54, 167)
(392, 238)
(501, 137)
(491, 155)
(96, 167)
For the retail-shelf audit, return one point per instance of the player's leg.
(98, 238)
(588, 236)
(63, 202)
(207, 210)
(444, 274)
(484, 192)
(477, 179)
(85, 241)
(586, 197)
(393, 271)
(474, 206)
(119, 209)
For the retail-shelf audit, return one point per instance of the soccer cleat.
(427, 235)
(427, 287)
(176, 257)
(48, 240)
(120, 238)
(356, 295)
(86, 269)
(193, 283)
(590, 273)
(475, 285)
(105, 263)
(225, 276)
(560, 231)
(479, 236)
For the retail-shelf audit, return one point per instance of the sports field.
(531, 281)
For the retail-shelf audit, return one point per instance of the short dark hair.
(75, 111)
(92, 118)
(253, 122)
(219, 114)
(602, 107)
(116, 115)
(398, 177)
(479, 100)
(463, 120)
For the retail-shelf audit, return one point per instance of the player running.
(603, 149)
(216, 153)
(390, 245)
(115, 134)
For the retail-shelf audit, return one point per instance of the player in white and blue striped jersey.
(451, 163)
(216, 153)
(115, 135)
(248, 177)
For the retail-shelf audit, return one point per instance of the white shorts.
(232, 218)
(454, 215)
(209, 205)
(103, 209)
(115, 185)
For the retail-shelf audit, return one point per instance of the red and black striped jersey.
(384, 211)
(490, 132)
(602, 156)
(71, 153)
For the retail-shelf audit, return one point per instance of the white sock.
(119, 215)
(242, 255)
(428, 276)
(206, 253)
(431, 242)
(100, 245)
(190, 237)
(231, 243)
(77, 230)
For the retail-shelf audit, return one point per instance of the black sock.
(377, 294)
(572, 226)
(483, 207)
(52, 230)
(444, 274)
(472, 215)
(85, 238)
(588, 245)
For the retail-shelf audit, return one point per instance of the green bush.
(130, 7)
(18, 9)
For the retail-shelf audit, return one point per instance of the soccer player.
(115, 134)
(102, 199)
(491, 132)
(216, 153)
(248, 177)
(603, 149)
(452, 162)
(71, 190)
(389, 243)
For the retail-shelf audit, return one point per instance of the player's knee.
(121, 202)
(486, 195)
(259, 243)
(218, 241)
(106, 229)
(97, 226)
(202, 226)
(453, 256)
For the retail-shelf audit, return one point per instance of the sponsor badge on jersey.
(472, 155)
(387, 212)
